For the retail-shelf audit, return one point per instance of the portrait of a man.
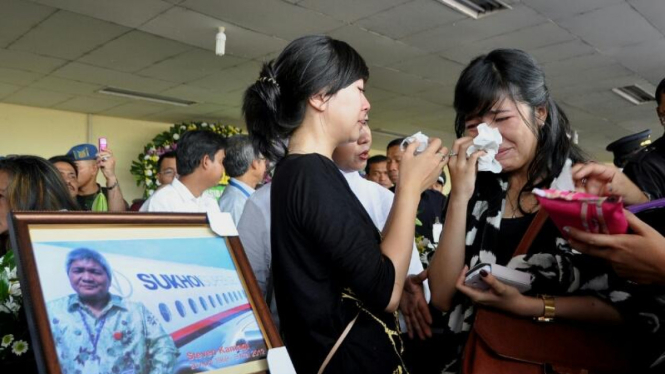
(99, 332)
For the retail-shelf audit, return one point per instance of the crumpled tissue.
(488, 140)
(419, 136)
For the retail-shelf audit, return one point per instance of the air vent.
(145, 96)
(476, 8)
(635, 94)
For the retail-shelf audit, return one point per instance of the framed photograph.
(131, 293)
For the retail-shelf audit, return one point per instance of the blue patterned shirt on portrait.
(125, 339)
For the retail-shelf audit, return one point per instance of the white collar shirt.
(176, 197)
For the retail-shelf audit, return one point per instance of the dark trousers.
(424, 356)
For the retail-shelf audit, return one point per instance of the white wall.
(47, 133)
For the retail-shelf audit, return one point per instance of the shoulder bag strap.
(337, 344)
(531, 232)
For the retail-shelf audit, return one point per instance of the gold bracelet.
(549, 311)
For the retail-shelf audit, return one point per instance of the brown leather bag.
(500, 343)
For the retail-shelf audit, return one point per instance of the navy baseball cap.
(83, 152)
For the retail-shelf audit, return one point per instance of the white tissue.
(488, 140)
(564, 182)
(419, 136)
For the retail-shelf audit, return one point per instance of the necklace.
(512, 207)
(519, 199)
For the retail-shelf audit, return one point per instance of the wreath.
(144, 168)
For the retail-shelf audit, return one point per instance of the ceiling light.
(635, 94)
(145, 96)
(220, 45)
(476, 8)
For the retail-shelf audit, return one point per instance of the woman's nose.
(366, 105)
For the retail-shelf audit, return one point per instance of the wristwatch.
(549, 309)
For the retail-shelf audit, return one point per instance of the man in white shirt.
(246, 167)
(254, 227)
(199, 158)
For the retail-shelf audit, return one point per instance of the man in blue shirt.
(97, 332)
(246, 167)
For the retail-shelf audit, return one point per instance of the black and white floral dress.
(557, 269)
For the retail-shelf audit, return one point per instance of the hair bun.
(261, 109)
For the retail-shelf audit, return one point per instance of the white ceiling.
(59, 53)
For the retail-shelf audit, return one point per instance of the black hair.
(193, 146)
(35, 184)
(169, 154)
(374, 160)
(394, 142)
(514, 74)
(274, 106)
(66, 159)
(660, 91)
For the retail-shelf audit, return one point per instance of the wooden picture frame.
(170, 264)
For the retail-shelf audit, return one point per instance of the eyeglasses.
(167, 172)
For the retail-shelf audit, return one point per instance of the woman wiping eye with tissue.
(507, 118)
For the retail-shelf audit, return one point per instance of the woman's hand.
(463, 170)
(605, 180)
(639, 257)
(500, 296)
(421, 171)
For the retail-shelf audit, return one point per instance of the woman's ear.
(541, 115)
(319, 102)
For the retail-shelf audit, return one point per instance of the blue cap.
(83, 152)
